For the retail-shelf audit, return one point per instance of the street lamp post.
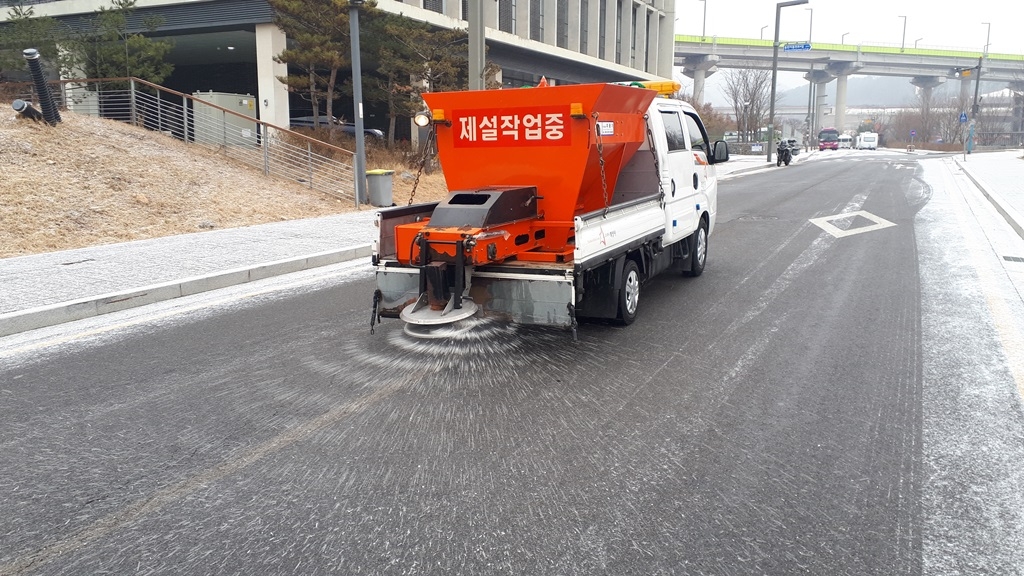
(842, 39)
(904, 40)
(916, 41)
(359, 163)
(476, 46)
(810, 25)
(762, 31)
(988, 35)
(704, 26)
(775, 71)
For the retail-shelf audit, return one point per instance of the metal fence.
(239, 136)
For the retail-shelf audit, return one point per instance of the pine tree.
(108, 50)
(25, 30)
(319, 48)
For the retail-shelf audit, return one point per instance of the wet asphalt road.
(812, 404)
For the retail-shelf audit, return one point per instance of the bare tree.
(947, 120)
(749, 91)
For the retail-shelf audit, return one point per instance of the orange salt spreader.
(520, 164)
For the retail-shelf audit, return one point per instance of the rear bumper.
(527, 296)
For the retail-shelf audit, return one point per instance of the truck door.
(680, 179)
(707, 176)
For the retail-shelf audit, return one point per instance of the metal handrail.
(274, 150)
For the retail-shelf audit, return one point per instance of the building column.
(610, 22)
(965, 89)
(549, 24)
(639, 28)
(574, 31)
(667, 41)
(272, 95)
(593, 18)
(653, 26)
(522, 20)
(626, 32)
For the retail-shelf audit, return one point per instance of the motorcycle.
(783, 154)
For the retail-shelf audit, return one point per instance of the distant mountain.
(881, 91)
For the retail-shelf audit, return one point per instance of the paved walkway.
(47, 289)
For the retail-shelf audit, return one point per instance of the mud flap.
(398, 287)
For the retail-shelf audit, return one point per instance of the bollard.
(50, 112)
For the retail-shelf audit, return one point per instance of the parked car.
(325, 121)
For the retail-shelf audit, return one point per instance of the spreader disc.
(424, 316)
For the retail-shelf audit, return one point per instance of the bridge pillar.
(927, 84)
(820, 94)
(842, 71)
(820, 79)
(965, 89)
(841, 102)
(699, 68)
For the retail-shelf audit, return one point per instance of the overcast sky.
(930, 23)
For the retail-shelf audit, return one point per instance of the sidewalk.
(56, 287)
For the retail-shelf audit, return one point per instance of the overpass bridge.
(927, 68)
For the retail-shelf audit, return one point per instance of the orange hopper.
(520, 164)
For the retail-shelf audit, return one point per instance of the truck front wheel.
(699, 249)
(629, 293)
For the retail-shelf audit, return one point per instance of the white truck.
(867, 141)
(563, 202)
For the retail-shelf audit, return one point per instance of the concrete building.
(229, 45)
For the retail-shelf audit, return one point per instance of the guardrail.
(274, 150)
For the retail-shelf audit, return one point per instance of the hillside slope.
(92, 181)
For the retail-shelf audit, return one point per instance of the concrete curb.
(1012, 217)
(53, 314)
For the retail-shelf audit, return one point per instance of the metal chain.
(600, 160)
(423, 162)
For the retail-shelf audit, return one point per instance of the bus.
(828, 139)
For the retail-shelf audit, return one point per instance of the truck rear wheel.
(629, 293)
(699, 249)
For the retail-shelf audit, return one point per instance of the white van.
(867, 141)
(845, 141)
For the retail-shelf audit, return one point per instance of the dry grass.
(91, 181)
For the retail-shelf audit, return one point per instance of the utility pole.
(775, 70)
(476, 46)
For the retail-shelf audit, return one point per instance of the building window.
(584, 17)
(507, 16)
(603, 17)
(647, 36)
(537, 20)
(562, 23)
(434, 5)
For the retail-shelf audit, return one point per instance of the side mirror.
(720, 152)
